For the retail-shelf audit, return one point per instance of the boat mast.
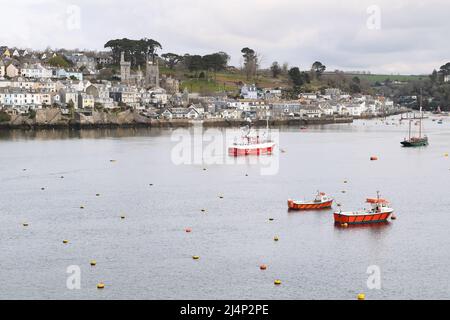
(421, 115)
(409, 131)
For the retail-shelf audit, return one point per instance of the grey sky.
(413, 37)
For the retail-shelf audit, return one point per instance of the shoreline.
(182, 123)
(53, 119)
(172, 124)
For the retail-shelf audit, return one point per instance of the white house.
(36, 71)
(68, 74)
(356, 109)
(327, 109)
(249, 92)
(308, 95)
(447, 78)
(231, 113)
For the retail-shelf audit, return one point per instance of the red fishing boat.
(379, 212)
(252, 144)
(321, 201)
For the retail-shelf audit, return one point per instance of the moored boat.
(321, 201)
(420, 140)
(251, 144)
(379, 212)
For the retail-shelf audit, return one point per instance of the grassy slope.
(231, 81)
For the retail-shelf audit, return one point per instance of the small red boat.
(322, 201)
(380, 212)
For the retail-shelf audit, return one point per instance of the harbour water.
(148, 255)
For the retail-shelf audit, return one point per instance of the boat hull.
(412, 144)
(292, 205)
(380, 217)
(237, 151)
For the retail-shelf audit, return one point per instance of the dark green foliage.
(135, 51)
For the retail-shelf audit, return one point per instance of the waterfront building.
(85, 101)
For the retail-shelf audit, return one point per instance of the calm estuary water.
(148, 255)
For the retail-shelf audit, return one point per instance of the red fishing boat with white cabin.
(379, 212)
(321, 201)
(252, 144)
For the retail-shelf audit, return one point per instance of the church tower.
(152, 74)
(125, 69)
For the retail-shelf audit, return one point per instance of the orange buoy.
(263, 267)
(188, 230)
(373, 158)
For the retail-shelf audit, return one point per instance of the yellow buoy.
(122, 217)
(195, 257)
(93, 262)
(65, 241)
(445, 154)
(276, 238)
(100, 285)
(361, 296)
(277, 282)
(25, 224)
(81, 207)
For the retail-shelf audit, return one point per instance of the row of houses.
(37, 71)
(22, 94)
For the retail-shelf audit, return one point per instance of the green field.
(373, 78)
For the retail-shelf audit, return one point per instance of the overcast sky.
(411, 36)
